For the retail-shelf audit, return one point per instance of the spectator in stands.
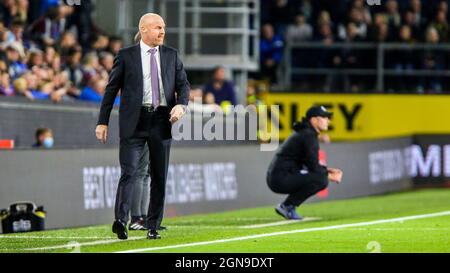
(405, 57)
(3, 66)
(49, 54)
(8, 11)
(5, 85)
(100, 43)
(416, 7)
(351, 59)
(443, 6)
(90, 67)
(73, 66)
(21, 11)
(380, 31)
(82, 20)
(409, 19)
(325, 34)
(48, 29)
(441, 25)
(106, 61)
(4, 34)
(68, 42)
(45, 88)
(26, 84)
(222, 89)
(14, 56)
(402, 60)
(356, 19)
(196, 102)
(393, 14)
(94, 91)
(16, 32)
(361, 6)
(116, 43)
(300, 31)
(432, 60)
(306, 9)
(63, 89)
(254, 94)
(44, 138)
(271, 52)
(21, 88)
(325, 19)
(35, 58)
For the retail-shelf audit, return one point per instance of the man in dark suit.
(154, 94)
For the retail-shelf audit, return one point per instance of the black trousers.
(298, 186)
(154, 130)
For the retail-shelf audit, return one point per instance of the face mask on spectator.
(48, 142)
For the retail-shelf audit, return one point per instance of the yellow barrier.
(365, 117)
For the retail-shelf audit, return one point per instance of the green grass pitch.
(335, 226)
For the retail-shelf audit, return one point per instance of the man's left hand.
(177, 113)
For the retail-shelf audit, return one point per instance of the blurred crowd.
(53, 51)
(353, 21)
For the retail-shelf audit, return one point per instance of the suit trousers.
(141, 193)
(154, 130)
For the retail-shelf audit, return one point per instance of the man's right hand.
(101, 132)
(335, 175)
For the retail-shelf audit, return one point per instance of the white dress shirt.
(145, 57)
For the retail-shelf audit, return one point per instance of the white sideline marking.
(281, 223)
(421, 216)
(103, 242)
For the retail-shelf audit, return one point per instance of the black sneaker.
(288, 212)
(153, 235)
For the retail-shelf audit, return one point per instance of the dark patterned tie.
(154, 77)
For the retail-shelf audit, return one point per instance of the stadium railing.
(378, 70)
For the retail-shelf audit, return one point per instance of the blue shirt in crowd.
(226, 93)
(89, 94)
(272, 49)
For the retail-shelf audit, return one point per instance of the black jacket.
(300, 150)
(126, 75)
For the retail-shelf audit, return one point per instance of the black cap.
(318, 111)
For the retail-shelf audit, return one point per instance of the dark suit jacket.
(126, 75)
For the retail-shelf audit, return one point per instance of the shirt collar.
(145, 48)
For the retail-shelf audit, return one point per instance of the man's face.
(267, 32)
(45, 135)
(219, 75)
(12, 55)
(17, 31)
(320, 123)
(108, 62)
(153, 31)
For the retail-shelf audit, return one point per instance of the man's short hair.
(105, 54)
(41, 131)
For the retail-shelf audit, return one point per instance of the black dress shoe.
(153, 235)
(120, 229)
